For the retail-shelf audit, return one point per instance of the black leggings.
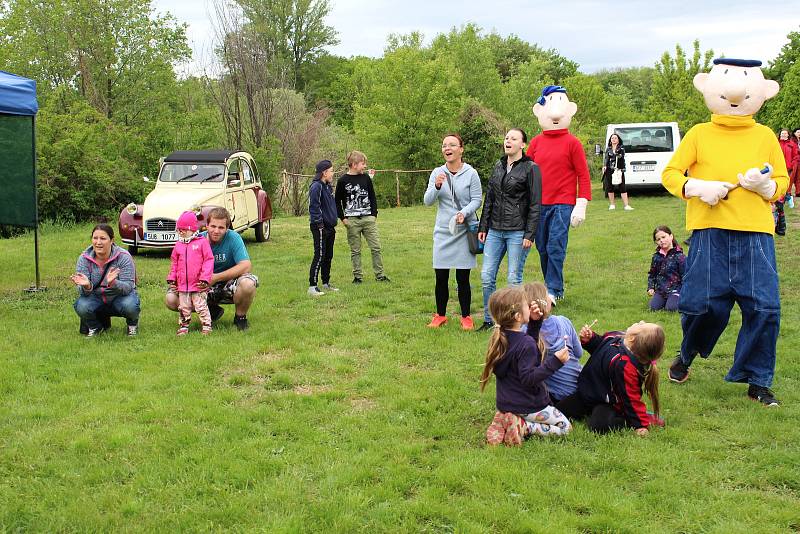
(443, 290)
(600, 418)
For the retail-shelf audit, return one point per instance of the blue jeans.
(497, 243)
(723, 267)
(551, 242)
(91, 308)
(664, 302)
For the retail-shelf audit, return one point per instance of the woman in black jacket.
(615, 159)
(510, 216)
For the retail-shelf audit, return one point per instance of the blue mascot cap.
(549, 90)
(737, 62)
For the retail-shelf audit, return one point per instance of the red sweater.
(562, 161)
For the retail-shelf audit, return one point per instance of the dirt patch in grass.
(361, 404)
(309, 389)
(250, 368)
(382, 319)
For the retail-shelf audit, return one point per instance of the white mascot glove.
(759, 183)
(578, 212)
(709, 191)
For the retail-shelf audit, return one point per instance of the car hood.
(170, 203)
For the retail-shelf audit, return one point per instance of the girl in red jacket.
(611, 385)
(190, 273)
(791, 153)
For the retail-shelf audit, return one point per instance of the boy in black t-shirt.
(358, 209)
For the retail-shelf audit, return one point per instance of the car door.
(234, 196)
(249, 190)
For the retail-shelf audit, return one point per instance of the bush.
(83, 168)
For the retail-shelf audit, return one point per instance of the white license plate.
(644, 168)
(160, 236)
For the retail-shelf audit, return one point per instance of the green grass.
(345, 413)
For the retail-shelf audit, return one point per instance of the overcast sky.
(597, 35)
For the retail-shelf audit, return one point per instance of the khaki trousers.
(369, 228)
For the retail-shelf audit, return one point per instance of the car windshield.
(192, 172)
(646, 139)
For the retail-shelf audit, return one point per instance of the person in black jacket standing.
(357, 207)
(510, 216)
(322, 215)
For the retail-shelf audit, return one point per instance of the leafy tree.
(636, 82)
(774, 112)
(621, 105)
(518, 95)
(482, 132)
(788, 56)
(673, 96)
(466, 50)
(399, 121)
(295, 29)
(784, 109)
(592, 103)
(330, 84)
(84, 170)
(116, 53)
(511, 52)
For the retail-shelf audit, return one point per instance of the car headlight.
(132, 208)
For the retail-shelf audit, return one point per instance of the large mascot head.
(553, 109)
(735, 87)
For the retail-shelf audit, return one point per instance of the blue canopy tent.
(18, 202)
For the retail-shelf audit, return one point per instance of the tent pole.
(35, 288)
(36, 253)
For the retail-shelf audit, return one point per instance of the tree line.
(111, 104)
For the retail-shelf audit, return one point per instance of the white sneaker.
(314, 291)
(612, 207)
(329, 287)
(628, 208)
(790, 201)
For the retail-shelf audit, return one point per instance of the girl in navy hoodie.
(523, 404)
(665, 278)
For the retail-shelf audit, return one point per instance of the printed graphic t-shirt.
(355, 196)
(228, 252)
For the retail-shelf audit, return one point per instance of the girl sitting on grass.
(554, 330)
(666, 271)
(523, 404)
(621, 367)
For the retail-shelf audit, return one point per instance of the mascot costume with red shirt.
(566, 187)
(728, 171)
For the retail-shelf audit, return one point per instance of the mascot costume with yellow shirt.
(733, 169)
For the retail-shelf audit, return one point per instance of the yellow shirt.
(720, 150)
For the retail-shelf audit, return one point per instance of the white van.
(648, 148)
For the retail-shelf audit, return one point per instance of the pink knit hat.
(187, 221)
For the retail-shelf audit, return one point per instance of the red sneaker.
(466, 323)
(437, 321)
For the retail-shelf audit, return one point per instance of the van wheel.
(133, 250)
(262, 231)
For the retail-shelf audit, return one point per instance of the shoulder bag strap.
(453, 193)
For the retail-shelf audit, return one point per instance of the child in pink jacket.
(190, 273)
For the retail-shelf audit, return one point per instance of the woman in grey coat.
(457, 187)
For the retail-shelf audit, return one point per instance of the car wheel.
(262, 231)
(133, 250)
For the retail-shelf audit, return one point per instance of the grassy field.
(345, 413)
